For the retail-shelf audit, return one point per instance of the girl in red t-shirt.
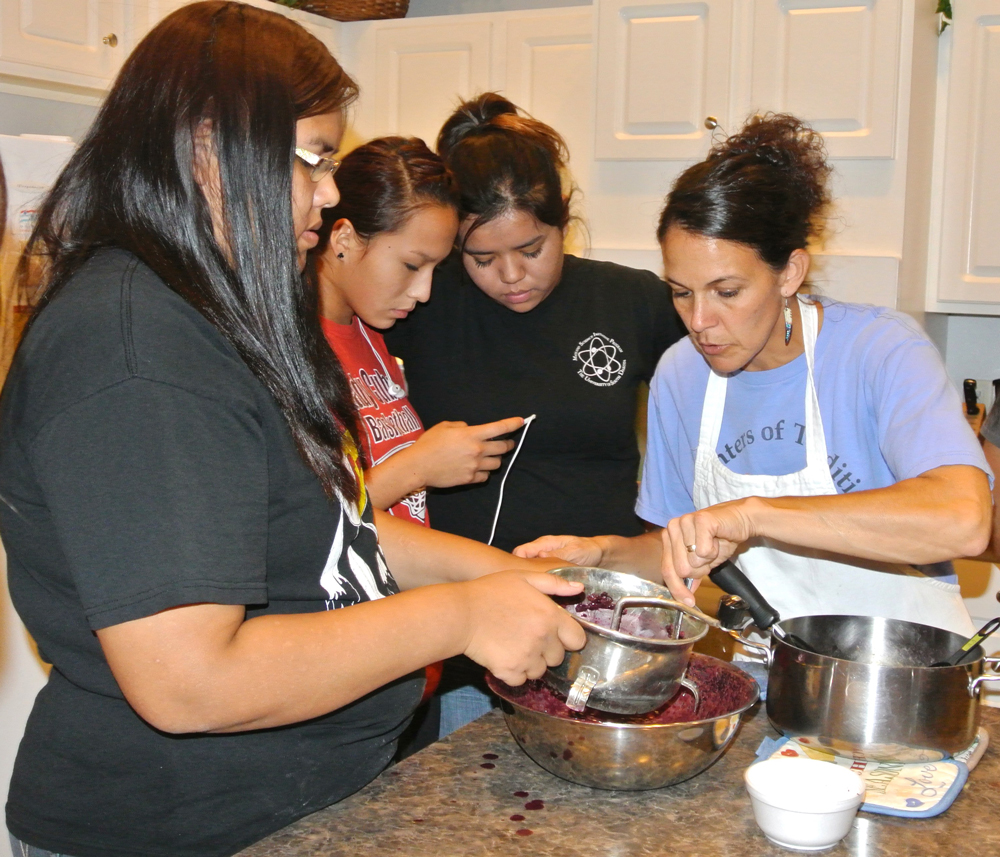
(396, 220)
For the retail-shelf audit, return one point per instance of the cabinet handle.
(711, 123)
(111, 40)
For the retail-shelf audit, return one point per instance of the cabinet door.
(662, 68)
(422, 72)
(549, 73)
(70, 41)
(833, 63)
(143, 15)
(970, 247)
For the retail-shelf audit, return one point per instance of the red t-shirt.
(389, 424)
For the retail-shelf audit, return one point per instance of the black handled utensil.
(956, 658)
(969, 389)
(730, 579)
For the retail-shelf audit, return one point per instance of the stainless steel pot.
(625, 756)
(879, 699)
(618, 672)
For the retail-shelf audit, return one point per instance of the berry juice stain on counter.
(490, 756)
(488, 765)
(521, 794)
(535, 804)
(517, 817)
(523, 832)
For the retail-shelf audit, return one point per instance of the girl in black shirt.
(188, 533)
(516, 327)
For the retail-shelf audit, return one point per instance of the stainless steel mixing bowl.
(626, 674)
(627, 756)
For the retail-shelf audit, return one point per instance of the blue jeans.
(22, 849)
(458, 707)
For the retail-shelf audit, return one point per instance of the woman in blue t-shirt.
(818, 444)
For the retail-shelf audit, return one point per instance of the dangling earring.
(788, 322)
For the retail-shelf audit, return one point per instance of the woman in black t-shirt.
(188, 533)
(516, 327)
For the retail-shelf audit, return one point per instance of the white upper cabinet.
(833, 63)
(662, 69)
(83, 43)
(80, 42)
(422, 71)
(550, 73)
(969, 268)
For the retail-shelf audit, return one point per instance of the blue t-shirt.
(889, 412)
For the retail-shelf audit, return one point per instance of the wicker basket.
(356, 10)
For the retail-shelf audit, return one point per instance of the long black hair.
(505, 161)
(248, 75)
(765, 186)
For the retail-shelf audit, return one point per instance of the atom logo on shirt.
(601, 362)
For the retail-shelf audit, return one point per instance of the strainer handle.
(654, 601)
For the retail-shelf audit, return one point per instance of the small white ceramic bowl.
(804, 804)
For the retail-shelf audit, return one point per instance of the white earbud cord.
(395, 390)
(524, 433)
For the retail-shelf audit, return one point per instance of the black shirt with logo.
(577, 361)
(142, 467)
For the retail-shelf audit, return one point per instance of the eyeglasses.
(318, 165)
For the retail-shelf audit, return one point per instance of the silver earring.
(788, 322)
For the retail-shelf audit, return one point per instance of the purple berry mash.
(599, 608)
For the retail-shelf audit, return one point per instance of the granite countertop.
(448, 800)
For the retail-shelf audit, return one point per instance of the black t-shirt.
(576, 361)
(143, 466)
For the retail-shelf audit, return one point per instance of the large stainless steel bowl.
(623, 755)
(627, 675)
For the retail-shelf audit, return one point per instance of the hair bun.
(473, 116)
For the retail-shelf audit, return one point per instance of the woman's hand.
(575, 549)
(695, 543)
(455, 453)
(516, 630)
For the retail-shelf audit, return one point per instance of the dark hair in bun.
(765, 186)
(383, 182)
(505, 161)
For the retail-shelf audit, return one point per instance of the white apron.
(800, 581)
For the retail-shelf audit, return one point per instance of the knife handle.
(730, 579)
(969, 389)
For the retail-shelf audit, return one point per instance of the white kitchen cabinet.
(83, 43)
(662, 69)
(142, 15)
(549, 73)
(413, 74)
(833, 63)
(969, 262)
(76, 42)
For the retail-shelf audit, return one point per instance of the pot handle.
(992, 663)
(763, 648)
(729, 578)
